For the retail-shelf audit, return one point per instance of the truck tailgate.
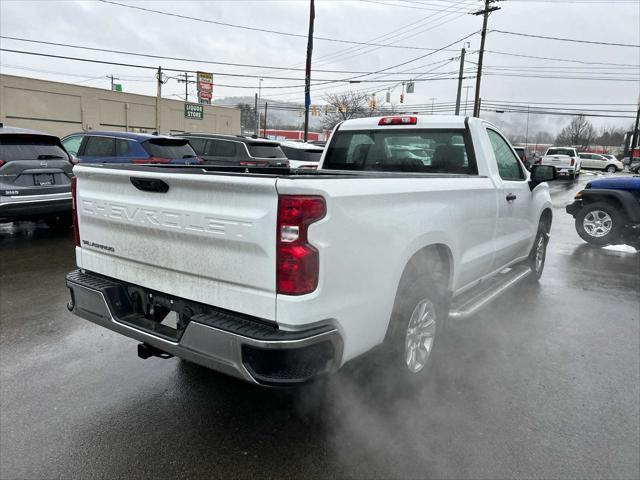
(559, 161)
(209, 238)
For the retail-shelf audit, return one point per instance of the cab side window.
(100, 147)
(72, 144)
(508, 164)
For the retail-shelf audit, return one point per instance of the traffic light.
(402, 98)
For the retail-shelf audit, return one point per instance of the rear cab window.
(170, 148)
(411, 150)
(560, 151)
(265, 150)
(30, 147)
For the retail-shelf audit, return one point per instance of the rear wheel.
(611, 169)
(599, 223)
(416, 324)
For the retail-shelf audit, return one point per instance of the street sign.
(117, 87)
(410, 87)
(205, 87)
(193, 111)
(204, 77)
(202, 101)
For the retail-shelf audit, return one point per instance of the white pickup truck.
(277, 276)
(565, 159)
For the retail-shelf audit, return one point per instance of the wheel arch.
(432, 262)
(546, 217)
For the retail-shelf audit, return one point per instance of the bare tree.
(344, 106)
(579, 133)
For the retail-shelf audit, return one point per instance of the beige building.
(62, 108)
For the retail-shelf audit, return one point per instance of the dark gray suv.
(236, 150)
(35, 176)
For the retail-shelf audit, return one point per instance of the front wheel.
(538, 254)
(611, 169)
(599, 223)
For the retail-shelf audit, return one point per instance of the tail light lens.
(573, 161)
(74, 199)
(297, 261)
(139, 161)
(1, 162)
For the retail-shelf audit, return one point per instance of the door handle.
(511, 197)
(149, 185)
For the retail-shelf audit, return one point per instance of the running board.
(479, 297)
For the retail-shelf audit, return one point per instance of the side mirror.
(73, 159)
(540, 174)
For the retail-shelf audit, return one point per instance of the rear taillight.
(573, 161)
(398, 121)
(139, 161)
(254, 164)
(1, 162)
(74, 200)
(297, 261)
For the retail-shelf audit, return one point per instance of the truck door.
(515, 228)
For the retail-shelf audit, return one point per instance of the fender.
(630, 204)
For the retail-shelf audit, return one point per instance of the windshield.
(423, 151)
(168, 148)
(265, 150)
(30, 147)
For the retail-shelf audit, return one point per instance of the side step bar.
(479, 297)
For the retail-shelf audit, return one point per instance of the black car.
(35, 177)
(236, 150)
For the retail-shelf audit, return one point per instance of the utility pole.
(526, 135)
(307, 71)
(264, 131)
(485, 14)
(112, 79)
(158, 99)
(257, 129)
(466, 98)
(187, 80)
(255, 110)
(634, 136)
(462, 53)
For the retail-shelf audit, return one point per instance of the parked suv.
(600, 162)
(127, 147)
(234, 150)
(35, 176)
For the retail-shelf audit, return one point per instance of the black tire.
(538, 254)
(410, 299)
(611, 169)
(573, 175)
(607, 231)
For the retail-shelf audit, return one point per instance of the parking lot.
(543, 384)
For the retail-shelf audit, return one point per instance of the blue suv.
(126, 147)
(607, 211)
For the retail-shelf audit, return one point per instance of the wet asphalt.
(543, 384)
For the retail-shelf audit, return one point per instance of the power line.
(181, 59)
(574, 40)
(256, 29)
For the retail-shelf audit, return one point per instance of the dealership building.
(62, 108)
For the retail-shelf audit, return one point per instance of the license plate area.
(43, 179)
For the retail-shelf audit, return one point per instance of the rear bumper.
(223, 341)
(23, 207)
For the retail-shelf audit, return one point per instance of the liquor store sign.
(193, 111)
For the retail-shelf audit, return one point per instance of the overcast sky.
(413, 23)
